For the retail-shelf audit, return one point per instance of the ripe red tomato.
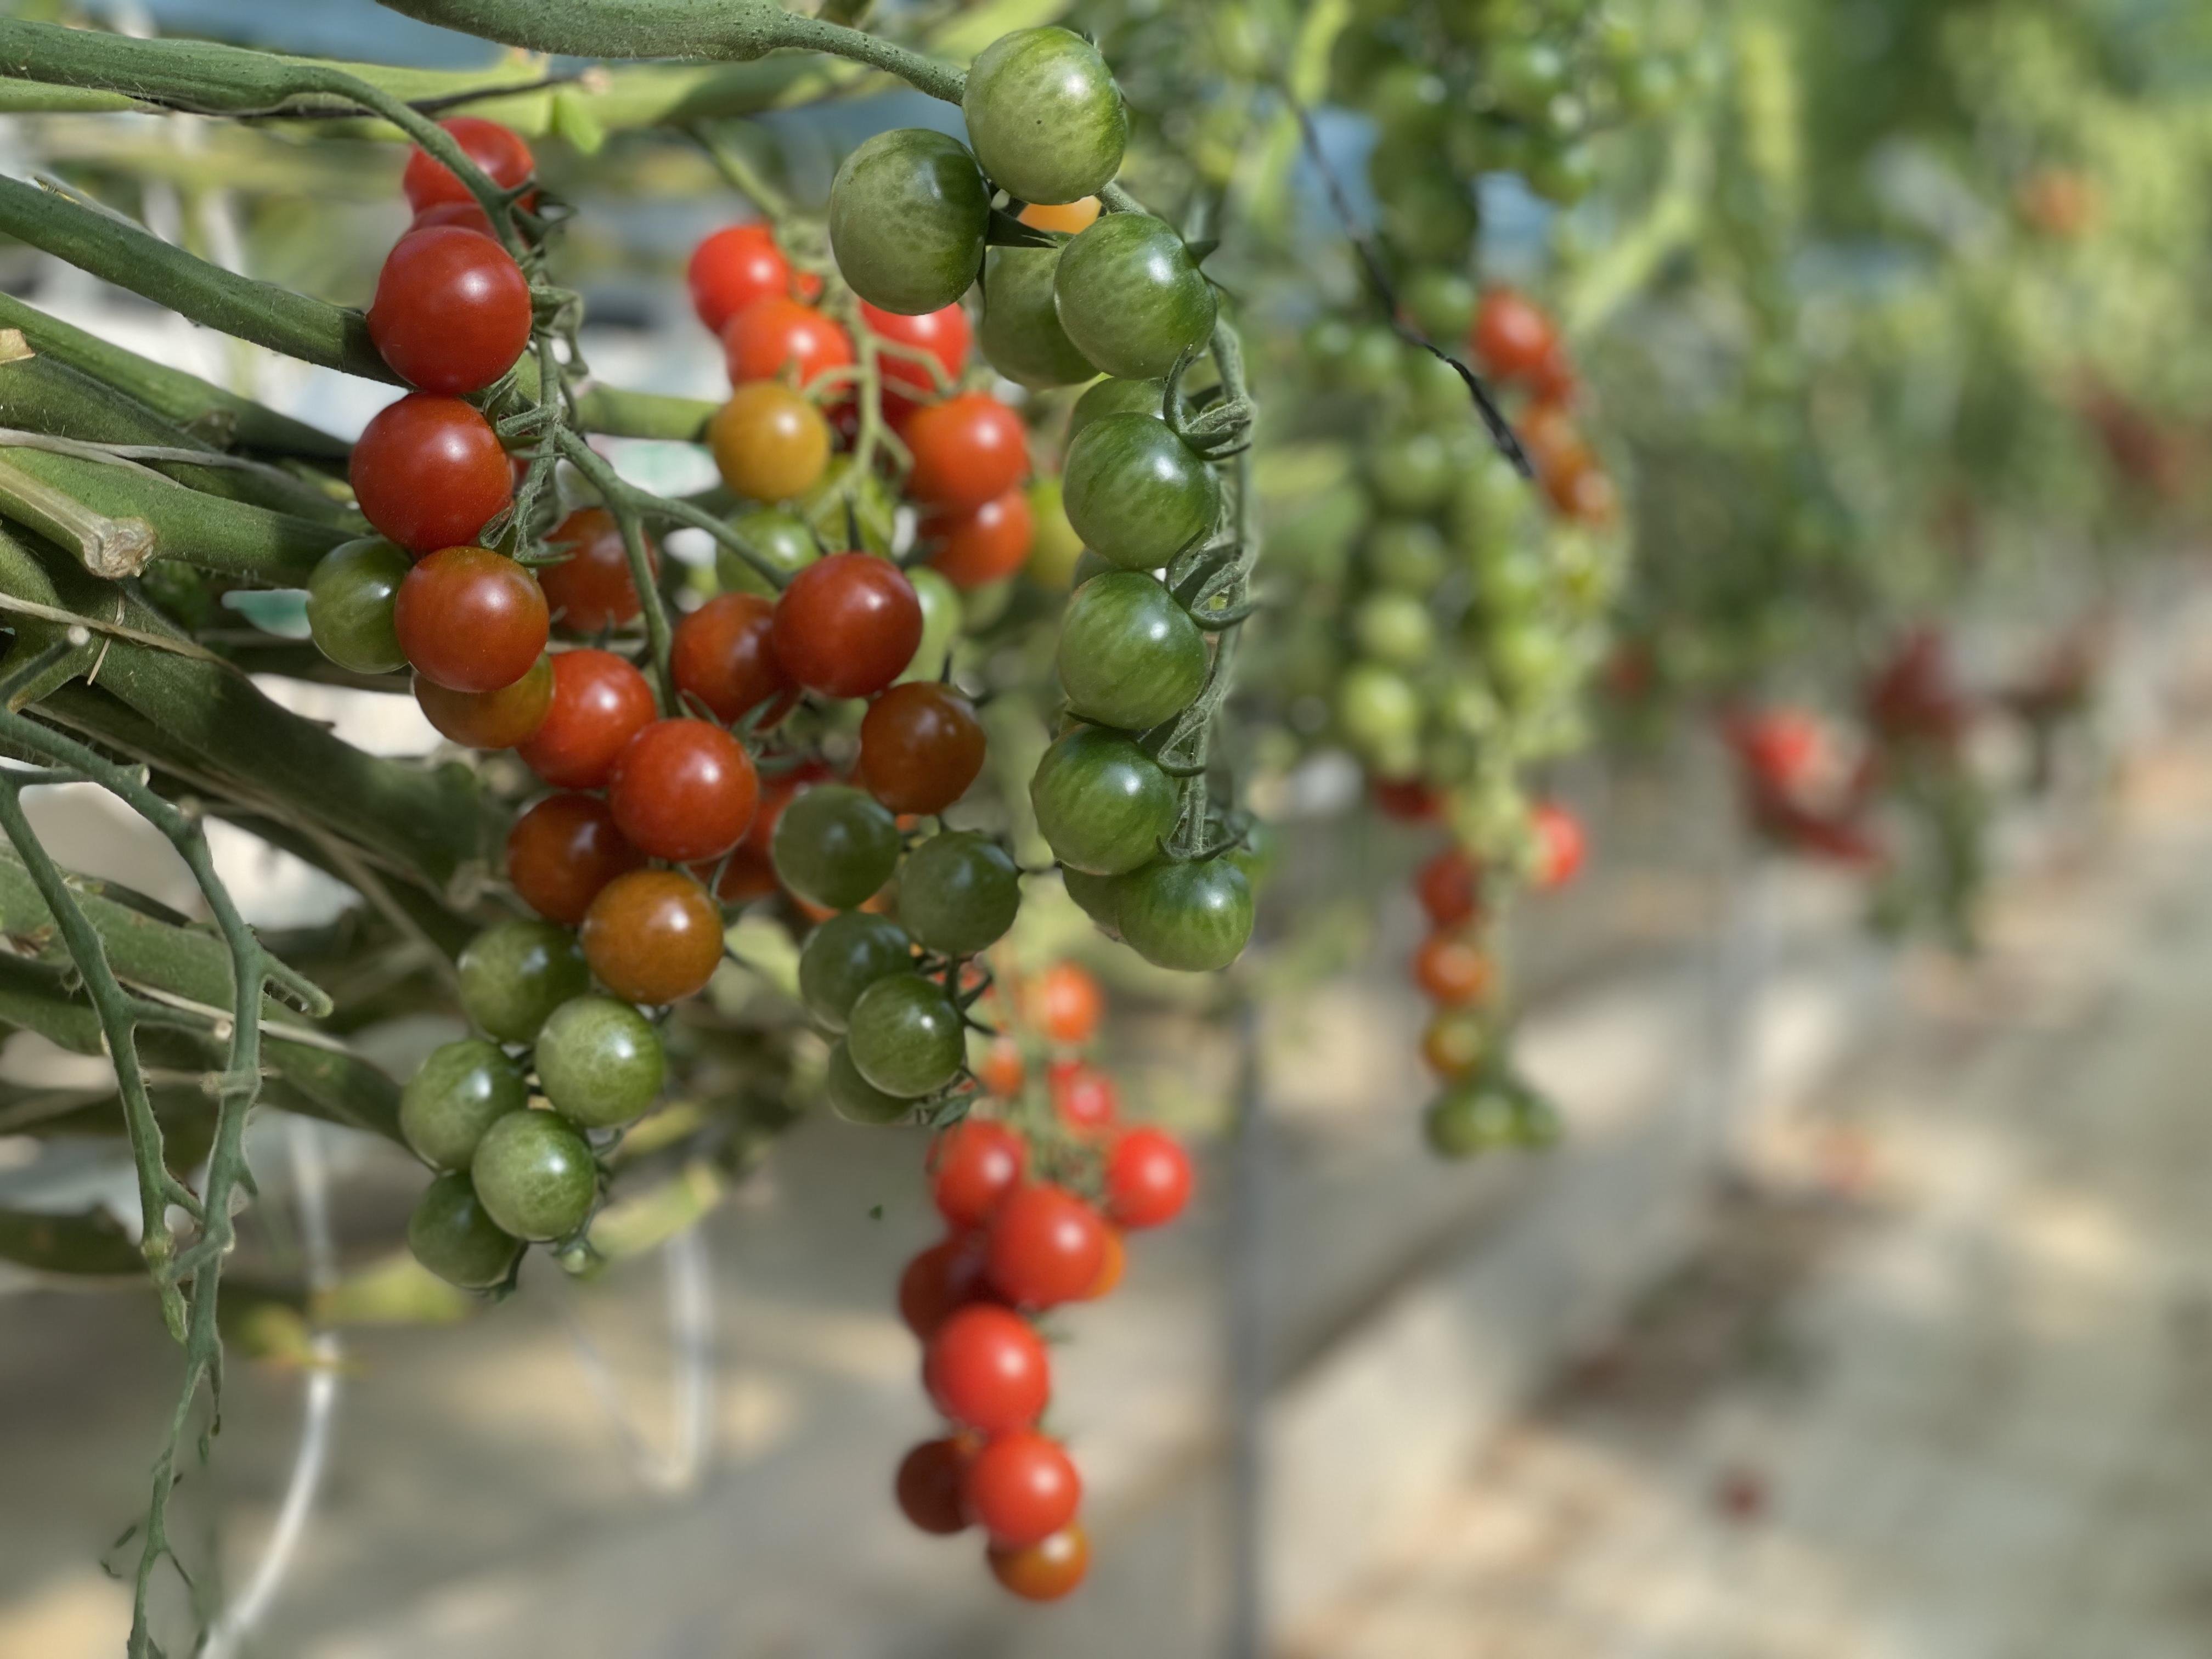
(500, 151)
(1452, 970)
(848, 625)
(988, 1369)
(452, 311)
(1002, 1071)
(1148, 1178)
(1022, 1487)
(1512, 335)
(1069, 1004)
(776, 335)
(921, 747)
(469, 215)
(1409, 800)
(1450, 888)
(429, 472)
(984, 544)
(967, 450)
(1084, 1096)
(562, 851)
(489, 720)
(725, 656)
(1553, 381)
(907, 383)
(1044, 1246)
(928, 1486)
(600, 702)
(469, 619)
(973, 1165)
(731, 267)
(1561, 845)
(683, 790)
(1777, 746)
(1110, 1267)
(652, 936)
(1043, 1572)
(949, 1275)
(591, 589)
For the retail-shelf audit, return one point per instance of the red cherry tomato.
(489, 720)
(1409, 800)
(652, 936)
(985, 544)
(468, 214)
(1022, 1487)
(1148, 1178)
(591, 589)
(1450, 888)
(1070, 1004)
(498, 150)
(1043, 1572)
(452, 311)
(1044, 1246)
(908, 382)
(921, 747)
(1553, 379)
(973, 1166)
(725, 656)
(1110, 1267)
(775, 336)
(967, 450)
(469, 619)
(429, 472)
(928, 1486)
(1452, 970)
(848, 625)
(988, 1369)
(1084, 1096)
(733, 267)
(562, 851)
(683, 790)
(1002, 1071)
(949, 1275)
(1560, 845)
(1512, 335)
(600, 702)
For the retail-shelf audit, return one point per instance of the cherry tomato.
(499, 151)
(469, 619)
(452, 311)
(591, 589)
(942, 334)
(1002, 1071)
(776, 335)
(489, 720)
(652, 936)
(429, 472)
(600, 702)
(1511, 336)
(1069, 1004)
(988, 1369)
(1084, 1096)
(1111, 1266)
(733, 267)
(1044, 1246)
(928, 1486)
(1561, 845)
(1022, 1487)
(723, 656)
(1553, 379)
(983, 544)
(467, 214)
(683, 790)
(451, 1234)
(1043, 1572)
(973, 1165)
(921, 747)
(1148, 1178)
(1452, 970)
(949, 1275)
(1584, 493)
(848, 625)
(967, 450)
(1455, 1043)
(534, 1175)
(1407, 799)
(562, 851)
(769, 442)
(1450, 888)
(1070, 216)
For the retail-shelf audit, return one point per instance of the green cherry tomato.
(907, 213)
(1434, 390)
(1054, 547)
(453, 1099)
(905, 1036)
(1021, 335)
(1470, 1119)
(1381, 714)
(1131, 297)
(1394, 628)
(835, 846)
(780, 535)
(1103, 803)
(534, 1174)
(958, 893)
(600, 1062)
(944, 614)
(1136, 493)
(1411, 473)
(1112, 397)
(1443, 303)
(1490, 502)
(516, 973)
(1044, 114)
(1315, 538)
(832, 511)
(1129, 655)
(452, 1234)
(1407, 554)
(1375, 361)
(855, 1099)
(1196, 917)
(349, 598)
(845, 956)
(1097, 896)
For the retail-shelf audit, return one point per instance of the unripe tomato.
(452, 311)
(847, 625)
(958, 893)
(600, 702)
(1045, 80)
(928, 1485)
(500, 151)
(562, 851)
(1044, 1246)
(683, 790)
(942, 335)
(908, 213)
(1043, 1572)
(921, 747)
(459, 1091)
(350, 605)
(967, 450)
(600, 1062)
(905, 1035)
(452, 1235)
(1102, 803)
(777, 336)
(1069, 1004)
(846, 955)
(834, 847)
(1131, 298)
(1512, 335)
(591, 589)
(983, 544)
(724, 655)
(988, 1369)
(1194, 915)
(947, 1275)
(469, 619)
(733, 267)
(1129, 655)
(429, 472)
(769, 443)
(652, 936)
(1453, 970)
(1455, 1043)
(973, 1166)
(535, 1176)
(1021, 1488)
(489, 720)
(517, 972)
(1148, 1178)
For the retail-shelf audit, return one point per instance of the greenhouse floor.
(1936, 1384)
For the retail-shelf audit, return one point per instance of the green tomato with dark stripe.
(908, 213)
(1131, 297)
(835, 847)
(845, 956)
(455, 1095)
(855, 1099)
(1136, 493)
(1103, 805)
(778, 536)
(1021, 335)
(1113, 396)
(959, 892)
(906, 1036)
(1046, 117)
(600, 1062)
(453, 1235)
(1193, 915)
(1095, 897)
(1129, 655)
